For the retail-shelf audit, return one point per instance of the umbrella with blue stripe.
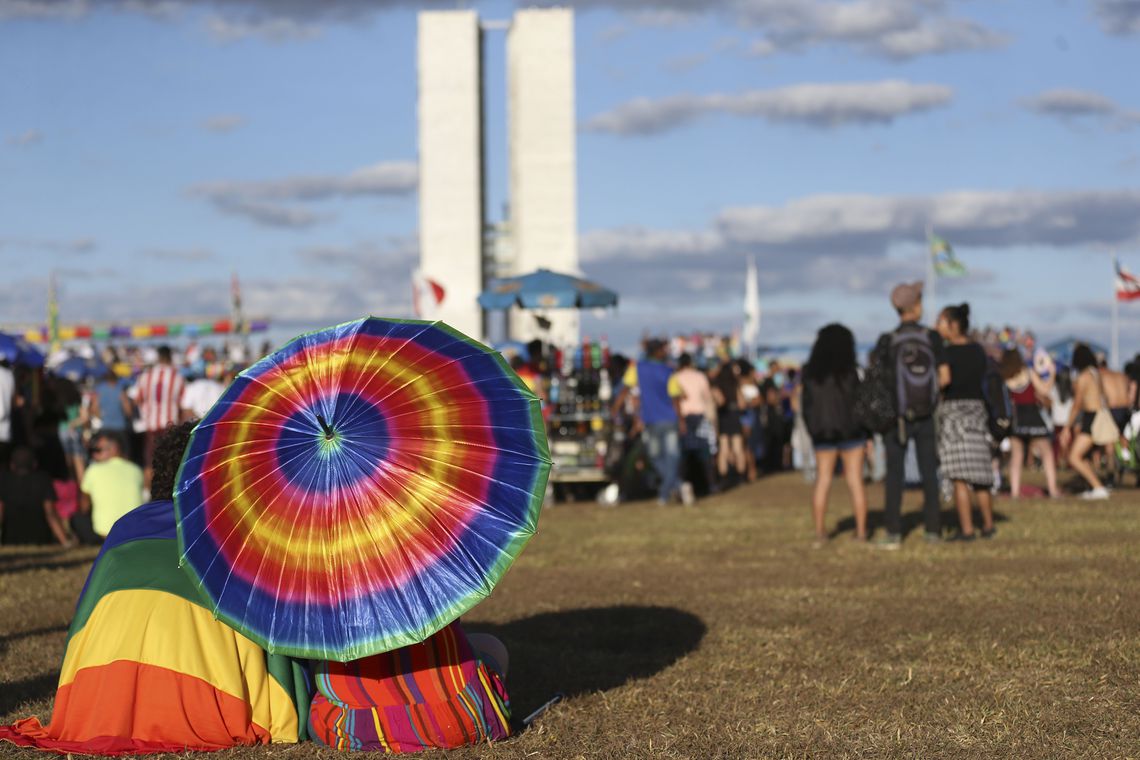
(545, 289)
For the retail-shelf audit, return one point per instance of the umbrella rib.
(466, 384)
(399, 547)
(427, 508)
(466, 444)
(391, 355)
(414, 378)
(392, 539)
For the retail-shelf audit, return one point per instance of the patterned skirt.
(964, 442)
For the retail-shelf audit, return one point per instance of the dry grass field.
(717, 631)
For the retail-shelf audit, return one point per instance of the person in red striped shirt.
(157, 396)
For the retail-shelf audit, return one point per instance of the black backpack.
(831, 415)
(916, 373)
(999, 404)
(874, 406)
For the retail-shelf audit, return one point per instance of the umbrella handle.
(329, 434)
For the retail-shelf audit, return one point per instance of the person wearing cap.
(916, 359)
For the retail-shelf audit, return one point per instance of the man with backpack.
(914, 361)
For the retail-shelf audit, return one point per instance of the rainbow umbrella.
(361, 488)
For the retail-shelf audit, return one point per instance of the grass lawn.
(716, 631)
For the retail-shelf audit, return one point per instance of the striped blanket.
(149, 669)
(432, 695)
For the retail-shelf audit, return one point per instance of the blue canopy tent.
(545, 289)
(17, 350)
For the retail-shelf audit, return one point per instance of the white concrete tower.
(451, 165)
(541, 129)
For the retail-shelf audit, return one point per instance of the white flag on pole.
(751, 332)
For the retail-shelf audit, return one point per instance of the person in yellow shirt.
(111, 487)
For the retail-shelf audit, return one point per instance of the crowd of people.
(947, 408)
(77, 439)
(85, 443)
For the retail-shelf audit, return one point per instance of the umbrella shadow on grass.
(16, 693)
(587, 650)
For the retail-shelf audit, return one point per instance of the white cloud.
(24, 139)
(844, 241)
(276, 29)
(183, 255)
(223, 123)
(343, 282)
(1069, 104)
(268, 202)
(896, 29)
(52, 10)
(268, 214)
(1119, 17)
(942, 35)
(820, 105)
(29, 245)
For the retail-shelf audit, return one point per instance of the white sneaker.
(1095, 494)
(687, 497)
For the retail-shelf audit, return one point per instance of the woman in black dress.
(830, 383)
(964, 441)
(730, 432)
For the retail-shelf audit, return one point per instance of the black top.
(23, 496)
(828, 409)
(967, 369)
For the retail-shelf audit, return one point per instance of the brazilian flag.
(946, 263)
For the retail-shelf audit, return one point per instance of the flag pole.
(930, 273)
(1114, 361)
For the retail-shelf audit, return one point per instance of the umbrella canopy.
(17, 350)
(547, 290)
(361, 488)
(78, 369)
(1062, 350)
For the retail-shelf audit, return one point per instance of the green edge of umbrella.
(497, 570)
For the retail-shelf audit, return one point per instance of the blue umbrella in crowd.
(77, 369)
(545, 289)
(1062, 350)
(17, 350)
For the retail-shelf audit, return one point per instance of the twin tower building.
(460, 251)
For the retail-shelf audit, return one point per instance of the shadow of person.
(912, 519)
(6, 639)
(588, 650)
(17, 693)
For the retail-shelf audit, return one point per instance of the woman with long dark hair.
(1095, 389)
(726, 390)
(830, 382)
(1031, 433)
(964, 440)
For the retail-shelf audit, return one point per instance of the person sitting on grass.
(27, 504)
(147, 667)
(111, 487)
(443, 693)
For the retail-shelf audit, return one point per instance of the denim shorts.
(850, 445)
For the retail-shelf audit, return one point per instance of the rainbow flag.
(148, 668)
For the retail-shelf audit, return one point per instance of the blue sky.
(149, 147)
